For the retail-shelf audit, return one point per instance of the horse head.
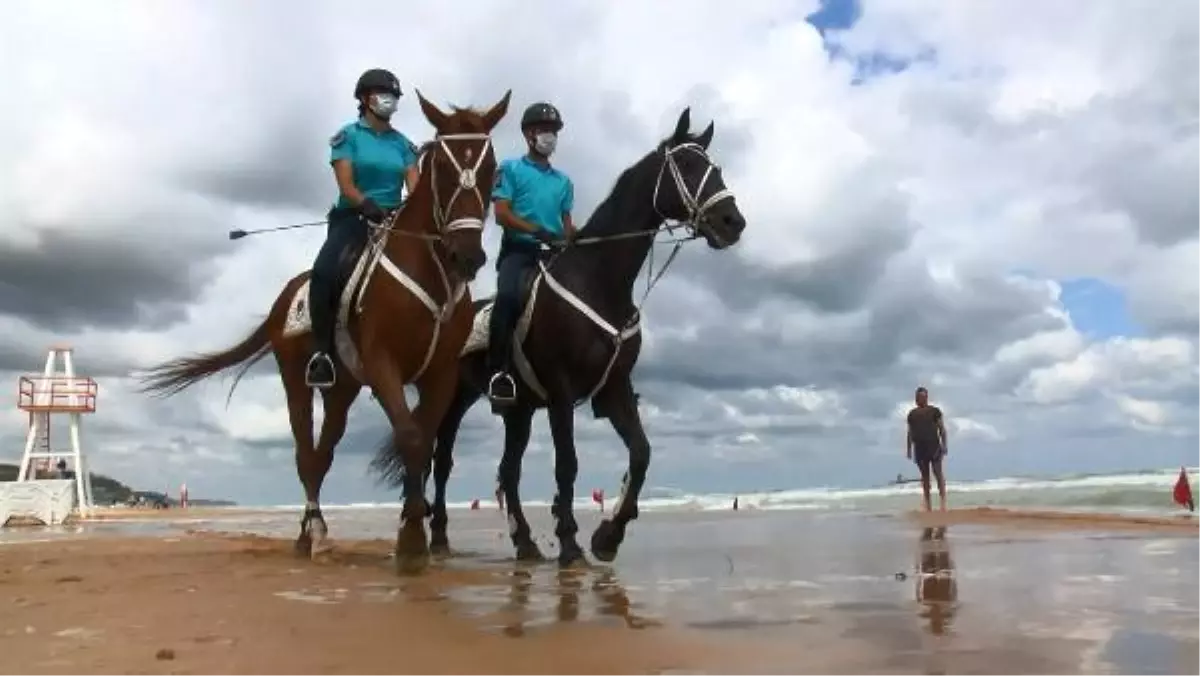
(460, 166)
(691, 189)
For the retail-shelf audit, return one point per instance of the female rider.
(373, 164)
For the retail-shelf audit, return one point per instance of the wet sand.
(766, 592)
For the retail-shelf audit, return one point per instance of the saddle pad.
(299, 320)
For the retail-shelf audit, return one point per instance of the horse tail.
(179, 374)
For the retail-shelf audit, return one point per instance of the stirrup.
(502, 377)
(315, 362)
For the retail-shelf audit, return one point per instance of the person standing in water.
(926, 445)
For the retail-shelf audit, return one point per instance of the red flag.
(598, 496)
(1183, 491)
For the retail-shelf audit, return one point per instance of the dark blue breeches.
(511, 267)
(347, 234)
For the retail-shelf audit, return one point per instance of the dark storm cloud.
(907, 312)
(285, 166)
(28, 355)
(72, 280)
(972, 316)
(869, 226)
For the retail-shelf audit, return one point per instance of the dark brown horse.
(407, 325)
(580, 339)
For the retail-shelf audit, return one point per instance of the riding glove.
(545, 237)
(371, 211)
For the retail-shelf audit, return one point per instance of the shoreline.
(1053, 519)
(998, 516)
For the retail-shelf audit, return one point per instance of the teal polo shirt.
(538, 193)
(379, 160)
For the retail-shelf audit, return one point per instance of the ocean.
(1146, 492)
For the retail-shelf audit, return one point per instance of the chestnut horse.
(406, 326)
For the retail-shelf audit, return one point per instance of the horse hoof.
(412, 551)
(528, 552)
(412, 564)
(303, 546)
(604, 555)
(321, 551)
(572, 560)
(439, 548)
(605, 542)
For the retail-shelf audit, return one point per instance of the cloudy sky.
(995, 199)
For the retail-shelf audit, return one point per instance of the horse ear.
(682, 126)
(705, 136)
(497, 112)
(435, 116)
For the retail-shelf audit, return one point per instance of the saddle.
(345, 269)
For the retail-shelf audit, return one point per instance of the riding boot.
(502, 389)
(321, 372)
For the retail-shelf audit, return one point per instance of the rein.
(382, 231)
(696, 211)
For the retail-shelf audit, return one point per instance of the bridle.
(467, 182)
(696, 210)
(694, 222)
(453, 290)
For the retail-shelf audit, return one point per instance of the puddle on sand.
(531, 598)
(369, 592)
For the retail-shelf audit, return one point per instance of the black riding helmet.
(377, 80)
(541, 113)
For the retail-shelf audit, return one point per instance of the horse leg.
(443, 463)
(518, 421)
(406, 446)
(300, 416)
(566, 468)
(437, 393)
(336, 402)
(621, 404)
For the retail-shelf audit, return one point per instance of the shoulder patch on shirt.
(337, 139)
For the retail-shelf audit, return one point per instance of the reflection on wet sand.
(936, 586)
(525, 605)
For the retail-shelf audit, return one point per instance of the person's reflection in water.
(937, 590)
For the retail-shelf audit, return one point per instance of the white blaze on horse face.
(467, 171)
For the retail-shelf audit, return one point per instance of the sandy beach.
(968, 591)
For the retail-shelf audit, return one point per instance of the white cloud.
(888, 220)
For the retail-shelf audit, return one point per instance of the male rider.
(533, 204)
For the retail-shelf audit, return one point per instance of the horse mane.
(607, 217)
(464, 119)
(467, 119)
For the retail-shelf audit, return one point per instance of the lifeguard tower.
(41, 491)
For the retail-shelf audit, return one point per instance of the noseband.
(696, 210)
(467, 182)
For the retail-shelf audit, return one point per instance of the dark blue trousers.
(347, 234)
(511, 265)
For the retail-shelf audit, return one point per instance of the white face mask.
(382, 105)
(545, 143)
